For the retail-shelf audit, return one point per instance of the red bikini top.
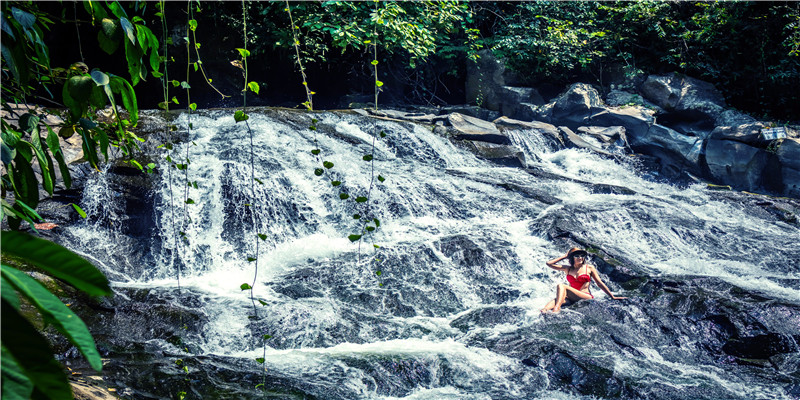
(578, 282)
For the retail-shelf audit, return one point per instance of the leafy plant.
(28, 367)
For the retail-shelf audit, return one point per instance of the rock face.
(489, 85)
(789, 158)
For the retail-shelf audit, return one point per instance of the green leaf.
(376, 246)
(16, 384)
(8, 293)
(263, 303)
(260, 360)
(381, 178)
(262, 236)
(193, 24)
(374, 62)
(327, 164)
(315, 151)
(319, 171)
(378, 83)
(344, 196)
(240, 116)
(383, 134)
(36, 146)
(24, 18)
(254, 87)
(193, 106)
(378, 273)
(23, 179)
(99, 77)
(356, 216)
(258, 180)
(251, 259)
(124, 88)
(361, 199)
(243, 52)
(128, 28)
(377, 223)
(367, 157)
(32, 353)
(245, 286)
(55, 311)
(57, 261)
(79, 210)
(370, 228)
(55, 148)
(354, 238)
(185, 85)
(267, 337)
(189, 201)
(336, 183)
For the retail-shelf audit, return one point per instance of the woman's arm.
(554, 263)
(601, 284)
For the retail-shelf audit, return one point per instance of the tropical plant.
(29, 370)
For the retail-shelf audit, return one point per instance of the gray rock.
(733, 118)
(607, 135)
(736, 163)
(675, 92)
(789, 157)
(472, 111)
(619, 98)
(577, 104)
(635, 120)
(680, 147)
(748, 133)
(515, 102)
(577, 141)
(470, 128)
(506, 155)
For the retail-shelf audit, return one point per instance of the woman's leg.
(549, 306)
(564, 292)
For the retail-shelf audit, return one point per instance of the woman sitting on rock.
(579, 275)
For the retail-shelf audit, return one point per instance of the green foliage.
(28, 367)
(749, 50)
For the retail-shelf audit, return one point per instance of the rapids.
(448, 306)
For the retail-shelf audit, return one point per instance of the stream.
(447, 305)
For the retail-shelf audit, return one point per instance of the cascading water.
(463, 242)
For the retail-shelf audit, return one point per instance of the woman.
(579, 276)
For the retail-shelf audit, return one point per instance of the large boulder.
(789, 157)
(470, 128)
(736, 163)
(691, 106)
(676, 92)
(607, 136)
(576, 105)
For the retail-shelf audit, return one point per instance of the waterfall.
(454, 312)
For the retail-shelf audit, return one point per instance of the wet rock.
(470, 128)
(509, 156)
(761, 346)
(587, 378)
(577, 141)
(488, 317)
(606, 135)
(548, 131)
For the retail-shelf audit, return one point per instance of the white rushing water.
(451, 242)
